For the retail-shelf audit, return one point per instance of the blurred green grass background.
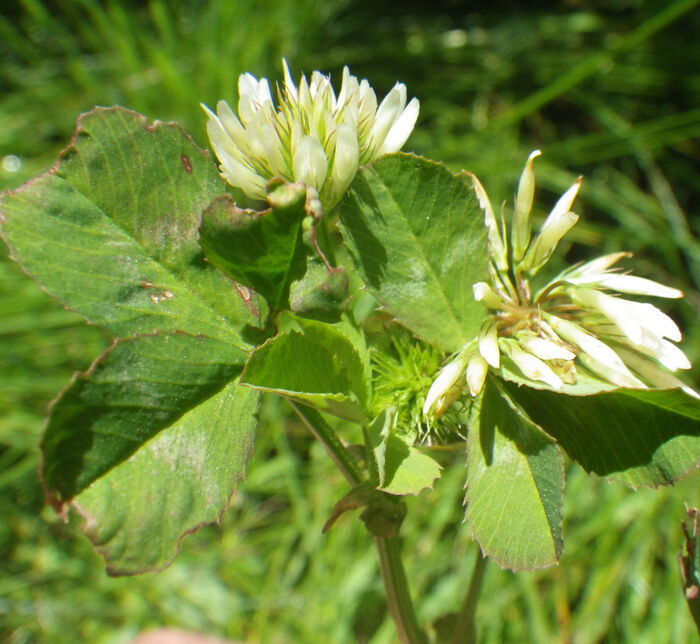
(607, 89)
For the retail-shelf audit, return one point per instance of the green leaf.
(638, 437)
(407, 470)
(515, 485)
(112, 231)
(417, 238)
(321, 294)
(376, 437)
(263, 250)
(136, 389)
(138, 513)
(400, 468)
(316, 363)
(148, 445)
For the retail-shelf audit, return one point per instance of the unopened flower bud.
(530, 365)
(488, 346)
(486, 295)
(523, 206)
(476, 374)
(447, 387)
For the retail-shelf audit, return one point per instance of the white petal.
(232, 125)
(669, 355)
(305, 102)
(609, 373)
(208, 112)
(246, 109)
(388, 111)
(600, 352)
(237, 174)
(523, 206)
(531, 366)
(273, 152)
(545, 349)
(318, 81)
(654, 321)
(565, 202)
(476, 374)
(349, 89)
(553, 229)
(616, 309)
(366, 111)
(656, 376)
(310, 163)
(401, 129)
(248, 86)
(253, 95)
(225, 149)
(488, 346)
(264, 95)
(288, 82)
(484, 293)
(639, 286)
(598, 265)
(256, 133)
(347, 156)
(445, 381)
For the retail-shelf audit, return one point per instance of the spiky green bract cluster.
(401, 372)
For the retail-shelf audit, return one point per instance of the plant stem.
(396, 588)
(326, 243)
(325, 435)
(465, 630)
(390, 565)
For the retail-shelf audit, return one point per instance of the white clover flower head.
(576, 321)
(312, 135)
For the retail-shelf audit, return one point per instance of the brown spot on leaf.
(186, 163)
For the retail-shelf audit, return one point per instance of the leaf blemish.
(157, 298)
(186, 163)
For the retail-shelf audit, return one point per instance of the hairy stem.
(398, 597)
(390, 565)
(325, 435)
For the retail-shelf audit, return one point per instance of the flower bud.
(485, 294)
(446, 387)
(310, 163)
(530, 365)
(488, 346)
(476, 374)
(523, 205)
(542, 247)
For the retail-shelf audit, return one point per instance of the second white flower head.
(577, 321)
